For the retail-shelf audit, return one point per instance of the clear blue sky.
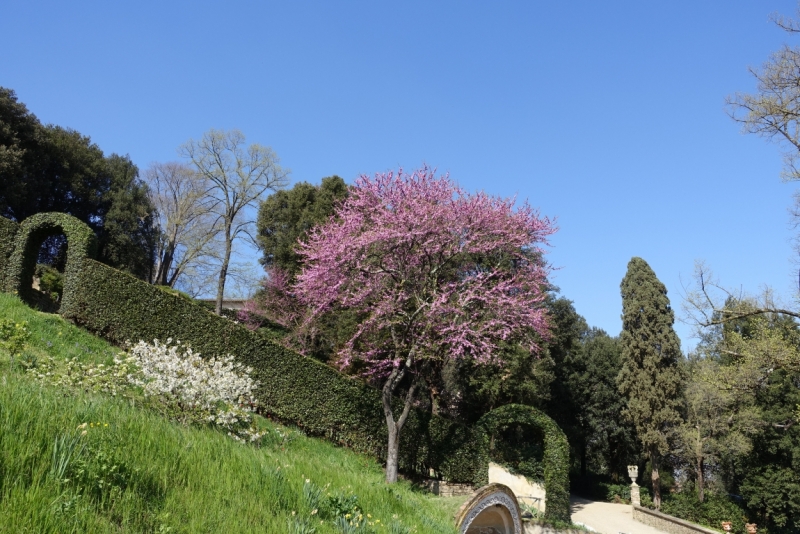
(606, 115)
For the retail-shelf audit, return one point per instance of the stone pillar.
(633, 472)
(635, 500)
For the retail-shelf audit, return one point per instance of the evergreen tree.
(50, 168)
(286, 217)
(650, 378)
(610, 439)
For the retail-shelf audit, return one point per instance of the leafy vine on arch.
(81, 244)
(556, 452)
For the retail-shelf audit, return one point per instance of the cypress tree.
(650, 379)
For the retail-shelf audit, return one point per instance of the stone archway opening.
(493, 509)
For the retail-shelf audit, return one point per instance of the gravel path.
(608, 518)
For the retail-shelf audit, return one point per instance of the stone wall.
(667, 523)
(527, 492)
(447, 489)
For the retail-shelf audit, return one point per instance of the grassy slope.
(138, 472)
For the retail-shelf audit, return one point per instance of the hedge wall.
(294, 388)
(8, 230)
(81, 244)
(556, 453)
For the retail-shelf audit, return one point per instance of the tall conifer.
(650, 378)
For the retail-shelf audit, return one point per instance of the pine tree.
(650, 378)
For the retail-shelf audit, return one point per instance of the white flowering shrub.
(175, 380)
(195, 389)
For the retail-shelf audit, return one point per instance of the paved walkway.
(608, 518)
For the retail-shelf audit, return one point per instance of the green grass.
(134, 471)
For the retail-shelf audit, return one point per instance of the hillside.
(81, 461)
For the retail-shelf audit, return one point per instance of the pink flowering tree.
(436, 273)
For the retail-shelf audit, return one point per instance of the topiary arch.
(556, 453)
(81, 243)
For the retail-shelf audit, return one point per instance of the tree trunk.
(700, 480)
(655, 478)
(392, 454)
(164, 265)
(395, 426)
(223, 270)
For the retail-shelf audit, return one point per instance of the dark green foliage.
(179, 293)
(610, 438)
(466, 391)
(8, 234)
(285, 218)
(20, 136)
(47, 168)
(565, 349)
(584, 399)
(294, 388)
(127, 238)
(770, 480)
(51, 282)
(650, 378)
(710, 513)
(22, 264)
(555, 456)
(287, 215)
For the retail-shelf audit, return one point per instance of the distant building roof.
(229, 304)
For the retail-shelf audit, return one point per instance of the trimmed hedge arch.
(556, 453)
(8, 231)
(81, 244)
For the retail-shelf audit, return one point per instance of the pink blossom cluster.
(438, 273)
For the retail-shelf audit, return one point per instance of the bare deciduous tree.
(774, 110)
(186, 220)
(707, 303)
(238, 176)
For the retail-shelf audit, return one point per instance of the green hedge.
(81, 244)
(555, 458)
(8, 231)
(294, 388)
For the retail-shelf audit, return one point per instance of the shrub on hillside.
(174, 380)
(51, 282)
(195, 389)
(711, 512)
(13, 336)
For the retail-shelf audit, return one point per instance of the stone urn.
(727, 526)
(633, 472)
(751, 528)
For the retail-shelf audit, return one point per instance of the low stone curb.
(535, 528)
(668, 523)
